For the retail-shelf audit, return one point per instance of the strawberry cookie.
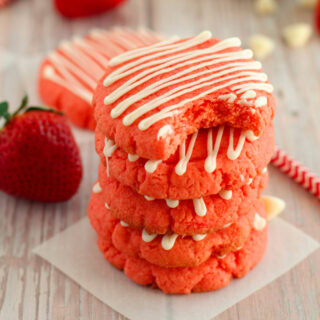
(151, 99)
(211, 160)
(173, 250)
(69, 75)
(213, 274)
(186, 217)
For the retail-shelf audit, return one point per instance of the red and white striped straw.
(296, 171)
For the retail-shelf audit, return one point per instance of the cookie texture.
(181, 178)
(68, 76)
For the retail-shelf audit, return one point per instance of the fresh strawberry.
(83, 8)
(39, 158)
(318, 16)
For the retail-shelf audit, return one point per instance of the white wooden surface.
(32, 289)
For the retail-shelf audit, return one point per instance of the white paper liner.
(76, 254)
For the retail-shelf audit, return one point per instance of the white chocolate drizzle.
(149, 198)
(152, 165)
(172, 203)
(132, 157)
(227, 225)
(182, 70)
(106, 205)
(200, 207)
(168, 241)
(264, 170)
(164, 131)
(198, 237)
(181, 167)
(124, 224)
(86, 58)
(225, 194)
(259, 223)
(97, 188)
(221, 256)
(108, 150)
(147, 237)
(211, 160)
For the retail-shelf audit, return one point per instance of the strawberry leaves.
(5, 114)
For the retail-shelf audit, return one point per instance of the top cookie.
(151, 98)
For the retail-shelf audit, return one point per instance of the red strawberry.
(318, 16)
(83, 8)
(39, 158)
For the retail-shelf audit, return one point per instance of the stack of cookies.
(184, 133)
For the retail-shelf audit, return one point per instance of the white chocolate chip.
(261, 46)
(265, 6)
(297, 35)
(273, 206)
(308, 4)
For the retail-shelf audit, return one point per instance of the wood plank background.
(31, 288)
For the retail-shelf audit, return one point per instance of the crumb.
(297, 35)
(265, 6)
(261, 46)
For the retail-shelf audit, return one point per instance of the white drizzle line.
(146, 237)
(106, 205)
(108, 150)
(230, 72)
(200, 207)
(232, 153)
(181, 166)
(124, 224)
(198, 237)
(227, 225)
(97, 188)
(225, 194)
(259, 223)
(172, 203)
(168, 241)
(152, 165)
(132, 157)
(149, 198)
(249, 181)
(211, 160)
(164, 131)
(264, 170)
(221, 257)
(86, 58)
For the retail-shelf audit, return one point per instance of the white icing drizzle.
(239, 248)
(152, 165)
(259, 223)
(97, 188)
(200, 207)
(86, 58)
(221, 257)
(149, 198)
(108, 150)
(198, 237)
(132, 157)
(168, 241)
(124, 224)
(181, 167)
(251, 136)
(198, 72)
(264, 170)
(211, 160)
(172, 203)
(225, 194)
(164, 131)
(106, 205)
(232, 153)
(249, 181)
(146, 237)
(261, 102)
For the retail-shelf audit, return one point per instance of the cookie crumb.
(265, 6)
(261, 45)
(297, 35)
